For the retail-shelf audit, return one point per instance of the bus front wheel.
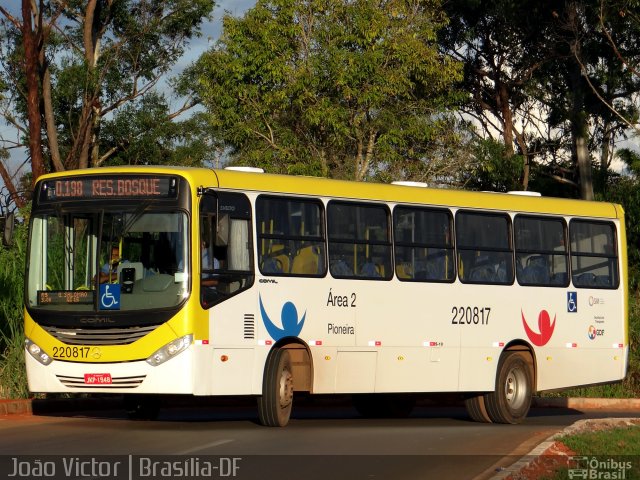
(276, 401)
(511, 400)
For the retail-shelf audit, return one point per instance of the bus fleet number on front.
(470, 315)
(70, 352)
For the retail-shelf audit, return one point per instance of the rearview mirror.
(7, 233)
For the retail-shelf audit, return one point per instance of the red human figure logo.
(545, 326)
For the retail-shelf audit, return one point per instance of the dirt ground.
(557, 455)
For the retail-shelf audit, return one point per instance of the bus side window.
(594, 261)
(484, 244)
(359, 240)
(423, 244)
(541, 254)
(290, 236)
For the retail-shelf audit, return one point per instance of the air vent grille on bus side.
(99, 336)
(249, 326)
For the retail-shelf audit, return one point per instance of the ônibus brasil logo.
(544, 326)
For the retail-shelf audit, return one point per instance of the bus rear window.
(594, 262)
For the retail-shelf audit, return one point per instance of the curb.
(15, 407)
(588, 403)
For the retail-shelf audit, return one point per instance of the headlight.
(170, 350)
(36, 352)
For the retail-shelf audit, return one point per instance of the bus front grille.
(116, 382)
(101, 336)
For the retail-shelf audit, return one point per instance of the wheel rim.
(515, 388)
(286, 388)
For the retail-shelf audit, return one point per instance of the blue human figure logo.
(291, 325)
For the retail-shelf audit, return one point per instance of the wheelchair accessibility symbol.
(110, 296)
(572, 302)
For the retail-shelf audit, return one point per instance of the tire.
(276, 401)
(476, 408)
(511, 400)
(142, 407)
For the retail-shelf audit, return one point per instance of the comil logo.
(545, 327)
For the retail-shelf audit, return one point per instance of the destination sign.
(64, 297)
(88, 187)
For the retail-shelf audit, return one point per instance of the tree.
(499, 43)
(77, 63)
(328, 87)
(541, 75)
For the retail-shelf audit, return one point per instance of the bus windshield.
(130, 259)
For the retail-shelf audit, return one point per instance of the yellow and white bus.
(155, 280)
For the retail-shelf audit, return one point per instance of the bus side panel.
(485, 317)
(223, 371)
(408, 324)
(586, 343)
(566, 367)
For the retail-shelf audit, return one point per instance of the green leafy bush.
(13, 380)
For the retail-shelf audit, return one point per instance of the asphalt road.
(325, 439)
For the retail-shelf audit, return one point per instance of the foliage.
(12, 370)
(142, 133)
(499, 43)
(626, 191)
(631, 159)
(556, 81)
(493, 169)
(331, 88)
(98, 63)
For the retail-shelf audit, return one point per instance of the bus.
(145, 281)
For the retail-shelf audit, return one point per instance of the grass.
(613, 453)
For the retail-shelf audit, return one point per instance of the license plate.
(97, 379)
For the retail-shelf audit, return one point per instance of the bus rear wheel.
(476, 408)
(276, 401)
(511, 400)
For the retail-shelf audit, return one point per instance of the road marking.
(204, 447)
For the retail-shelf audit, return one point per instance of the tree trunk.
(527, 156)
(502, 100)
(30, 43)
(8, 181)
(50, 123)
(579, 129)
